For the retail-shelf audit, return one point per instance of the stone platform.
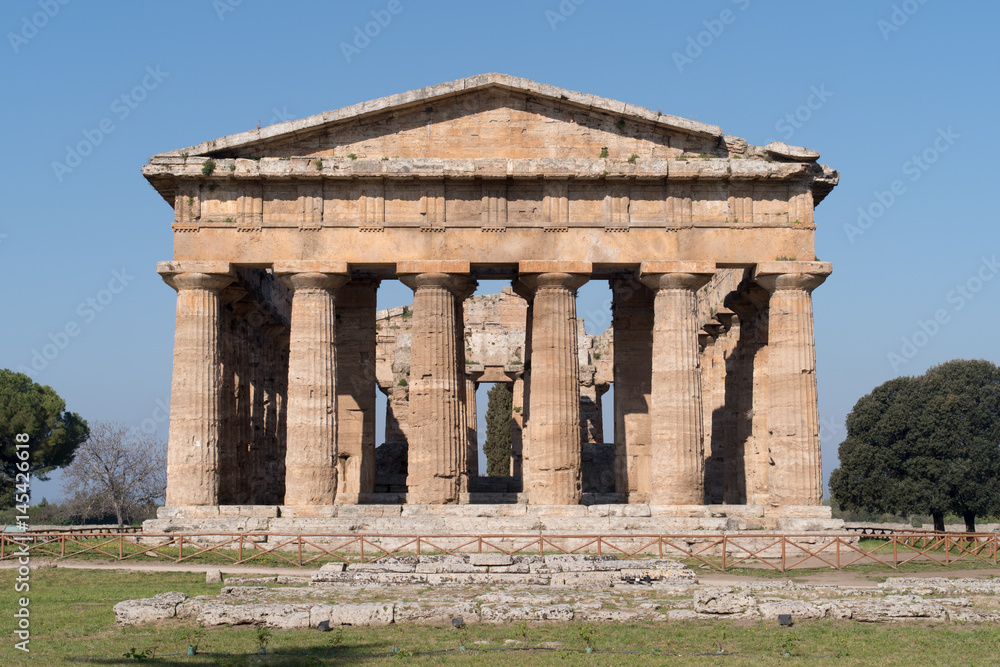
(493, 519)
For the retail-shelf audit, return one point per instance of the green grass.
(73, 623)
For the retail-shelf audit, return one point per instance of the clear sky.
(900, 97)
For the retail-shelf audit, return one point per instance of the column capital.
(535, 275)
(461, 286)
(803, 276)
(313, 274)
(329, 282)
(670, 274)
(213, 276)
(748, 301)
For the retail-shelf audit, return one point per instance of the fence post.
(120, 545)
(241, 548)
(724, 550)
(783, 540)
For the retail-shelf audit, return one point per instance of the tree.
(929, 444)
(118, 471)
(498, 418)
(53, 433)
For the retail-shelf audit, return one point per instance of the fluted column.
(552, 452)
(436, 459)
(193, 444)
(517, 427)
(678, 448)
(793, 410)
(472, 426)
(356, 388)
(747, 455)
(311, 431)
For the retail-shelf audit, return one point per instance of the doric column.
(472, 426)
(552, 452)
(632, 319)
(793, 411)
(678, 448)
(436, 459)
(311, 437)
(193, 444)
(747, 457)
(356, 388)
(517, 426)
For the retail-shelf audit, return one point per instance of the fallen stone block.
(716, 602)
(146, 610)
(352, 614)
(283, 616)
(502, 613)
(440, 615)
(797, 608)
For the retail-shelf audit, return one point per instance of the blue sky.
(900, 97)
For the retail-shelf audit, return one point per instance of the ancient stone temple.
(283, 235)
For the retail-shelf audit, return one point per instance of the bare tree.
(118, 470)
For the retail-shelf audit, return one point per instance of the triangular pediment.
(487, 116)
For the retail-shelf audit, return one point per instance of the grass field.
(72, 623)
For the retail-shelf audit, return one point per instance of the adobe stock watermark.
(30, 25)
(223, 7)
(714, 28)
(363, 36)
(87, 311)
(901, 13)
(804, 112)
(958, 298)
(159, 415)
(22, 583)
(122, 107)
(914, 169)
(563, 11)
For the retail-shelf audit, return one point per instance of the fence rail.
(721, 552)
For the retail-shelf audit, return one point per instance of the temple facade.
(283, 235)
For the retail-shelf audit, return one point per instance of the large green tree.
(498, 418)
(38, 411)
(928, 444)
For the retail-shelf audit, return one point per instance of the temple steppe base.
(696, 524)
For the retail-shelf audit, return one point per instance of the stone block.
(384, 565)
(213, 577)
(798, 609)
(283, 616)
(308, 511)
(503, 613)
(146, 610)
(435, 615)
(717, 602)
(490, 559)
(352, 614)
